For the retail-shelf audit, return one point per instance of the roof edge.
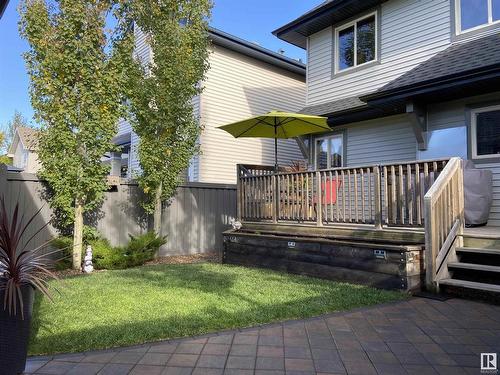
(250, 49)
(3, 6)
(313, 13)
(428, 85)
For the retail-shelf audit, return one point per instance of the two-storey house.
(411, 89)
(404, 80)
(244, 80)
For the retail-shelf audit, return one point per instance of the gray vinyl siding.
(453, 114)
(378, 141)
(372, 142)
(412, 31)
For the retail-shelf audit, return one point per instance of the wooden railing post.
(378, 198)
(276, 195)
(239, 198)
(319, 203)
(430, 246)
(444, 222)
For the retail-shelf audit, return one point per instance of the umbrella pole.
(275, 177)
(275, 148)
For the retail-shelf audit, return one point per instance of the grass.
(117, 308)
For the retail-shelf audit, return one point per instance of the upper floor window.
(485, 132)
(356, 43)
(474, 14)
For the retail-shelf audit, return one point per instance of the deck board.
(484, 232)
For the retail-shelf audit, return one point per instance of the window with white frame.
(329, 152)
(485, 132)
(356, 43)
(475, 14)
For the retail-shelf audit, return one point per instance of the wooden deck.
(370, 224)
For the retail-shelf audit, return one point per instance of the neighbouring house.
(244, 80)
(411, 89)
(24, 149)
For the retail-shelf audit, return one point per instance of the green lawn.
(117, 308)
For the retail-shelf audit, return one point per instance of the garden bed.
(124, 307)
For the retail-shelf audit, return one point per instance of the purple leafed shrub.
(20, 265)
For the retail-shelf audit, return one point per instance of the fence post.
(3, 180)
(378, 198)
(319, 203)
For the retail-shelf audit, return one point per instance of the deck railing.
(444, 221)
(390, 195)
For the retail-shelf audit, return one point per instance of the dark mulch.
(187, 259)
(175, 259)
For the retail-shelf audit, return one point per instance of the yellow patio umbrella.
(276, 124)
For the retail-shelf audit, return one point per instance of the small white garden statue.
(235, 224)
(87, 261)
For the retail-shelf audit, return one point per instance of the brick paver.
(418, 336)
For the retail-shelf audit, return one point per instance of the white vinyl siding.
(237, 87)
(412, 31)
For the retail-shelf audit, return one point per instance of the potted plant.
(22, 271)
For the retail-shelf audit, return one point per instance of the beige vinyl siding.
(237, 87)
(453, 114)
(411, 32)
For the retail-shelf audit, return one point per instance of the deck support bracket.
(303, 147)
(417, 115)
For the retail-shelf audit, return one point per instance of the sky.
(251, 20)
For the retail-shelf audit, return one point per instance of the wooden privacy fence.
(193, 220)
(391, 194)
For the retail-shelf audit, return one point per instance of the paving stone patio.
(418, 336)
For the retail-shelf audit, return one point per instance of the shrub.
(106, 256)
(142, 248)
(138, 251)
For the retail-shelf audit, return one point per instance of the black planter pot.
(14, 334)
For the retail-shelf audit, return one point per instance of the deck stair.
(477, 265)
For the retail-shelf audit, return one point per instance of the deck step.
(478, 250)
(473, 266)
(470, 285)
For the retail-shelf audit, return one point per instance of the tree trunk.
(78, 236)
(157, 212)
